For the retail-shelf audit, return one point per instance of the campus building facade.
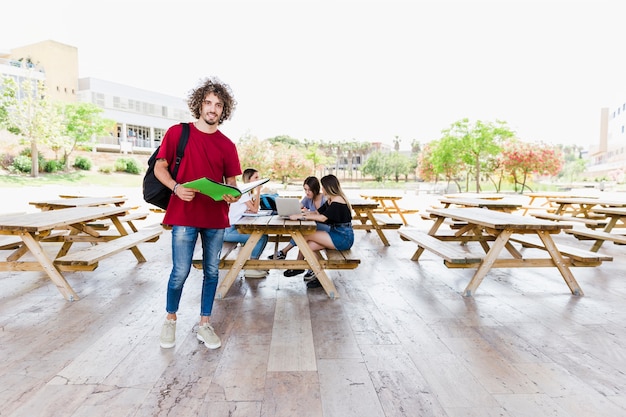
(608, 156)
(141, 116)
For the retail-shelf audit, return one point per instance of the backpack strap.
(180, 150)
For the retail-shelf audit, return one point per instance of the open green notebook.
(216, 190)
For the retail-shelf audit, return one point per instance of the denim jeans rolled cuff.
(342, 235)
(183, 245)
(232, 235)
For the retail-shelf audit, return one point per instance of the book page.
(216, 190)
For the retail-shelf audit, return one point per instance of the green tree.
(33, 117)
(446, 158)
(316, 155)
(478, 142)
(398, 164)
(81, 121)
(375, 166)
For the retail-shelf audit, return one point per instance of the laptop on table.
(286, 207)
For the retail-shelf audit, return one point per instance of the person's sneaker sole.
(293, 272)
(314, 283)
(255, 274)
(165, 344)
(214, 346)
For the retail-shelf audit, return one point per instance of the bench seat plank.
(592, 223)
(451, 252)
(577, 254)
(333, 259)
(598, 235)
(93, 254)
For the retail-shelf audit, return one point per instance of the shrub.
(106, 169)
(22, 163)
(129, 165)
(132, 167)
(83, 163)
(120, 165)
(53, 166)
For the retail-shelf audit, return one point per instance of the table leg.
(313, 261)
(377, 227)
(487, 263)
(607, 229)
(361, 215)
(395, 204)
(242, 257)
(123, 232)
(560, 263)
(47, 265)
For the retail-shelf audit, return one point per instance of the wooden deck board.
(401, 337)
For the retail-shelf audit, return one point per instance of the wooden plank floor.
(401, 341)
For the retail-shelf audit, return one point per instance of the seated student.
(249, 202)
(337, 214)
(312, 200)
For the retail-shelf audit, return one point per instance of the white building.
(142, 117)
(608, 158)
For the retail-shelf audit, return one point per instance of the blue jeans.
(342, 235)
(232, 235)
(183, 244)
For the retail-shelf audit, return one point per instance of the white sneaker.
(207, 335)
(255, 273)
(168, 334)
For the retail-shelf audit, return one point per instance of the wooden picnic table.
(67, 202)
(502, 204)
(389, 205)
(582, 206)
(68, 226)
(616, 219)
(62, 203)
(296, 229)
(487, 196)
(541, 200)
(366, 218)
(495, 231)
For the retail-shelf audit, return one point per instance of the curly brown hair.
(220, 89)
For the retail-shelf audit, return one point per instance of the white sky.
(364, 70)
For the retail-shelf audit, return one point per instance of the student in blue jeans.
(312, 201)
(249, 202)
(336, 212)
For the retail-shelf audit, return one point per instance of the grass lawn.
(77, 178)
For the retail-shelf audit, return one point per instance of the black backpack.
(154, 192)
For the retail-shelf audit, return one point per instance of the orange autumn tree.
(522, 159)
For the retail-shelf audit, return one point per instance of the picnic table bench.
(274, 225)
(495, 231)
(615, 218)
(589, 222)
(388, 204)
(87, 259)
(332, 259)
(68, 225)
(366, 218)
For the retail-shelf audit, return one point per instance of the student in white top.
(249, 202)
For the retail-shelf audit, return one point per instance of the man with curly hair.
(209, 153)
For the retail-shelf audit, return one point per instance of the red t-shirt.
(210, 155)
